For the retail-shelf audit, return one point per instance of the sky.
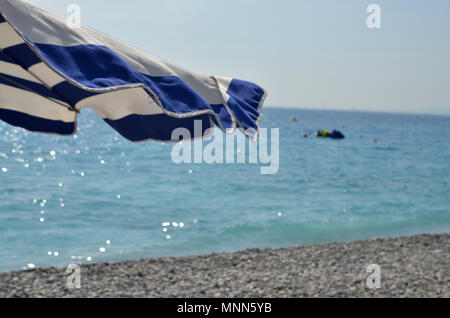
(316, 54)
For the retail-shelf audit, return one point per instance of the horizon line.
(397, 112)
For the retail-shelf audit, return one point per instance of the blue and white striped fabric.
(49, 72)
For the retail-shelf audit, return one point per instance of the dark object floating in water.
(293, 119)
(335, 134)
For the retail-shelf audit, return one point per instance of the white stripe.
(32, 104)
(224, 84)
(47, 76)
(8, 36)
(118, 104)
(17, 71)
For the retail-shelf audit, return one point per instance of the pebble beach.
(414, 266)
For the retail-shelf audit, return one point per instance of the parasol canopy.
(50, 71)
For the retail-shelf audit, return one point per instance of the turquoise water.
(70, 197)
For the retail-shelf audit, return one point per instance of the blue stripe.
(224, 115)
(71, 93)
(175, 95)
(2, 19)
(5, 82)
(158, 127)
(94, 66)
(245, 98)
(36, 124)
(4, 58)
(35, 87)
(22, 55)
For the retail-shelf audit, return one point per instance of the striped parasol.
(50, 71)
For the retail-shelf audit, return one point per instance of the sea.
(97, 197)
